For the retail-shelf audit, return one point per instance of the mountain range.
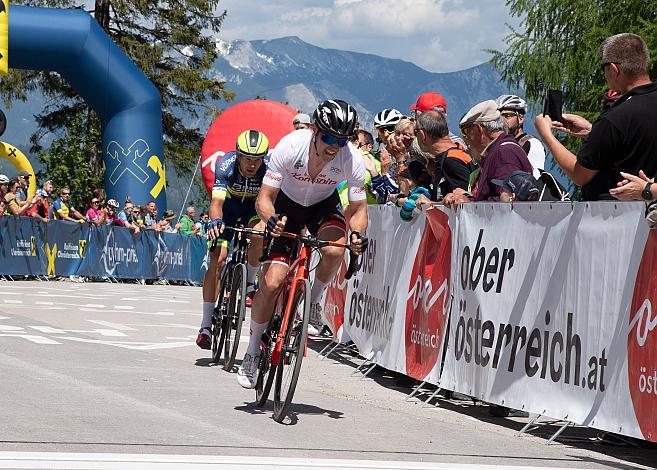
(301, 74)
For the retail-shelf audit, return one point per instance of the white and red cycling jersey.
(288, 170)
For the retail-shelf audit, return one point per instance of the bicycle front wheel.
(292, 350)
(235, 315)
(219, 320)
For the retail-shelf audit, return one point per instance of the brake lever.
(355, 263)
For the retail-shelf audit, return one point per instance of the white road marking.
(140, 346)
(33, 338)
(11, 328)
(124, 307)
(115, 326)
(62, 460)
(44, 303)
(5, 318)
(47, 329)
(163, 314)
(94, 306)
(12, 301)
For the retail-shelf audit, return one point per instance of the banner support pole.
(558, 433)
(325, 348)
(528, 425)
(415, 390)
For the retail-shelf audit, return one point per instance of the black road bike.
(230, 308)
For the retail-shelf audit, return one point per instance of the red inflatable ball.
(271, 117)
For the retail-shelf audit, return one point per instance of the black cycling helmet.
(336, 118)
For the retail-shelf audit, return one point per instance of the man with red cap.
(431, 100)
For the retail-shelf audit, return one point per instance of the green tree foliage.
(557, 46)
(66, 164)
(172, 42)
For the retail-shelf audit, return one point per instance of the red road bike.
(284, 342)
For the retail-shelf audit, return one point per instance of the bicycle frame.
(298, 272)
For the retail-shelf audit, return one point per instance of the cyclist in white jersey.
(299, 190)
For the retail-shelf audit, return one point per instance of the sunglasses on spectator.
(329, 139)
(66, 194)
(95, 202)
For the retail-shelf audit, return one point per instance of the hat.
(482, 112)
(521, 183)
(428, 101)
(4, 179)
(168, 215)
(41, 192)
(24, 174)
(301, 118)
(416, 172)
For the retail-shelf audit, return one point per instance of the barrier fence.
(546, 307)
(59, 248)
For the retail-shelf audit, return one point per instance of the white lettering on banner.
(418, 294)
(644, 322)
(648, 383)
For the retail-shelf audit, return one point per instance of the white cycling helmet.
(113, 203)
(4, 179)
(512, 102)
(387, 117)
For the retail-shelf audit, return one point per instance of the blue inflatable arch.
(72, 43)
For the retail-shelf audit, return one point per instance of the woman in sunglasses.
(299, 190)
(94, 214)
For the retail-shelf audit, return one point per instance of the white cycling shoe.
(247, 373)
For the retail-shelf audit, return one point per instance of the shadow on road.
(296, 410)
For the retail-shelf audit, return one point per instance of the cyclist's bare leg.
(274, 274)
(255, 251)
(211, 282)
(331, 258)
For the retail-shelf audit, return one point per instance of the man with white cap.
(301, 121)
(498, 153)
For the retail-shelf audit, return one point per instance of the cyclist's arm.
(265, 202)
(216, 210)
(358, 218)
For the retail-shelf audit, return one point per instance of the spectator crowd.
(46, 206)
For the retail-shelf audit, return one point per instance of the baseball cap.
(4, 179)
(301, 118)
(24, 174)
(481, 112)
(521, 183)
(168, 215)
(428, 101)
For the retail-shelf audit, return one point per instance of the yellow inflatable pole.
(20, 162)
(4, 37)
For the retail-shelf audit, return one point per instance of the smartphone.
(553, 105)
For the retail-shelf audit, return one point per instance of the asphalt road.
(99, 375)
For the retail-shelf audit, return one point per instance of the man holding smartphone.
(622, 139)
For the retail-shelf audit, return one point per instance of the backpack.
(551, 189)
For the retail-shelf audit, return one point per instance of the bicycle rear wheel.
(219, 321)
(235, 315)
(291, 356)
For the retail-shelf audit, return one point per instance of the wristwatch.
(646, 193)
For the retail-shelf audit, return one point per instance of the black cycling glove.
(273, 220)
(365, 240)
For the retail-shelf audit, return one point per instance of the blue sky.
(438, 35)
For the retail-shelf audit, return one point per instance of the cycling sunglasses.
(328, 139)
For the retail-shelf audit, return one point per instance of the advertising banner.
(395, 307)
(21, 246)
(544, 313)
(60, 248)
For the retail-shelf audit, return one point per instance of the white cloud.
(439, 35)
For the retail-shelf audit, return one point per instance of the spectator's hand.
(574, 125)
(276, 224)
(422, 199)
(177, 226)
(358, 242)
(455, 199)
(631, 187)
(398, 144)
(215, 228)
(136, 230)
(543, 125)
